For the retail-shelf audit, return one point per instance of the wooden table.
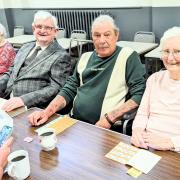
(17, 111)
(139, 47)
(14, 112)
(80, 154)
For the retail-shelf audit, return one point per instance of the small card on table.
(59, 124)
(140, 159)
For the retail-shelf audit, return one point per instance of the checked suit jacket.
(41, 80)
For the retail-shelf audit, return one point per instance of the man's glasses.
(46, 28)
(166, 53)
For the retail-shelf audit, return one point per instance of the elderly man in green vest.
(101, 82)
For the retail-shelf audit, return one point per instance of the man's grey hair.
(45, 15)
(172, 32)
(105, 18)
(2, 30)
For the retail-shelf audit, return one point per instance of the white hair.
(2, 30)
(105, 18)
(172, 32)
(45, 15)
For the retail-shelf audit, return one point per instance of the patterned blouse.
(7, 55)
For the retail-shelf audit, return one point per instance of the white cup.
(48, 139)
(18, 165)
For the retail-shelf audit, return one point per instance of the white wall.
(84, 4)
(72, 3)
(165, 3)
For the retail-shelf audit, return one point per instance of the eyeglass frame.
(46, 28)
(165, 53)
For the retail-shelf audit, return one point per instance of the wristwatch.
(108, 119)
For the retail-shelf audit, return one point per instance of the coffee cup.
(18, 165)
(48, 139)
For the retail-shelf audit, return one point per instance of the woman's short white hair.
(172, 32)
(2, 30)
(45, 15)
(102, 19)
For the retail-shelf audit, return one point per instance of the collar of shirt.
(42, 49)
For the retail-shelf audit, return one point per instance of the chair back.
(78, 34)
(143, 36)
(124, 125)
(18, 30)
(61, 33)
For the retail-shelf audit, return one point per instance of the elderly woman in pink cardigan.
(157, 123)
(7, 52)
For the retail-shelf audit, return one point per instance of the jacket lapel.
(22, 58)
(42, 57)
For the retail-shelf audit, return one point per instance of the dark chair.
(124, 125)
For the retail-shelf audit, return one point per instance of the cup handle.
(11, 167)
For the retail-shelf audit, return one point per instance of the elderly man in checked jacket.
(35, 82)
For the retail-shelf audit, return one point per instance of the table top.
(17, 111)
(155, 53)
(139, 47)
(65, 42)
(18, 41)
(14, 112)
(80, 154)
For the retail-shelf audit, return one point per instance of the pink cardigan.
(7, 55)
(159, 111)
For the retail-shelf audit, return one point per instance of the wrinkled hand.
(4, 152)
(137, 138)
(103, 123)
(38, 117)
(157, 142)
(13, 103)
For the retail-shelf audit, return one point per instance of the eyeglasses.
(166, 53)
(46, 28)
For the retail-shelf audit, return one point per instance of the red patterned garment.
(7, 55)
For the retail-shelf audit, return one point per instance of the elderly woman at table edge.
(157, 123)
(101, 81)
(40, 68)
(4, 152)
(7, 52)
